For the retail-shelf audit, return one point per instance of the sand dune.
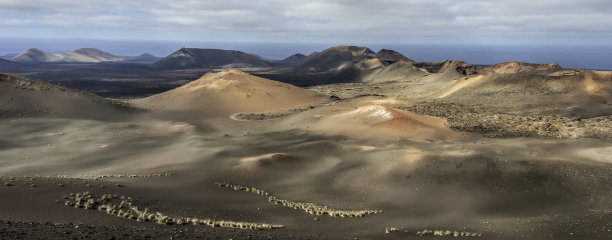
(373, 117)
(230, 91)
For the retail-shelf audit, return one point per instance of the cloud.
(311, 20)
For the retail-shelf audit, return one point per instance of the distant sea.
(569, 56)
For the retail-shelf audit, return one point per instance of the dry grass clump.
(310, 208)
(125, 207)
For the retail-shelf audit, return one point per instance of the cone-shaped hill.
(91, 55)
(230, 91)
(37, 55)
(208, 58)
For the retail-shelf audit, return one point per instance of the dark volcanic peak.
(336, 58)
(295, 58)
(342, 57)
(391, 56)
(355, 50)
(33, 51)
(208, 58)
(298, 58)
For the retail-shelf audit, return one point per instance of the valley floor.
(425, 158)
(501, 188)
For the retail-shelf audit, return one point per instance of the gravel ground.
(492, 124)
(33, 230)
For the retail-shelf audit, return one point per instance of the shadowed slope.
(23, 97)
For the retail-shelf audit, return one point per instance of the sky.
(314, 21)
(576, 33)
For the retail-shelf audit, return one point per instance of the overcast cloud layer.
(330, 21)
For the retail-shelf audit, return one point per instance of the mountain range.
(84, 55)
(342, 57)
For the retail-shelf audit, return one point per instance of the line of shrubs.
(310, 208)
(125, 207)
